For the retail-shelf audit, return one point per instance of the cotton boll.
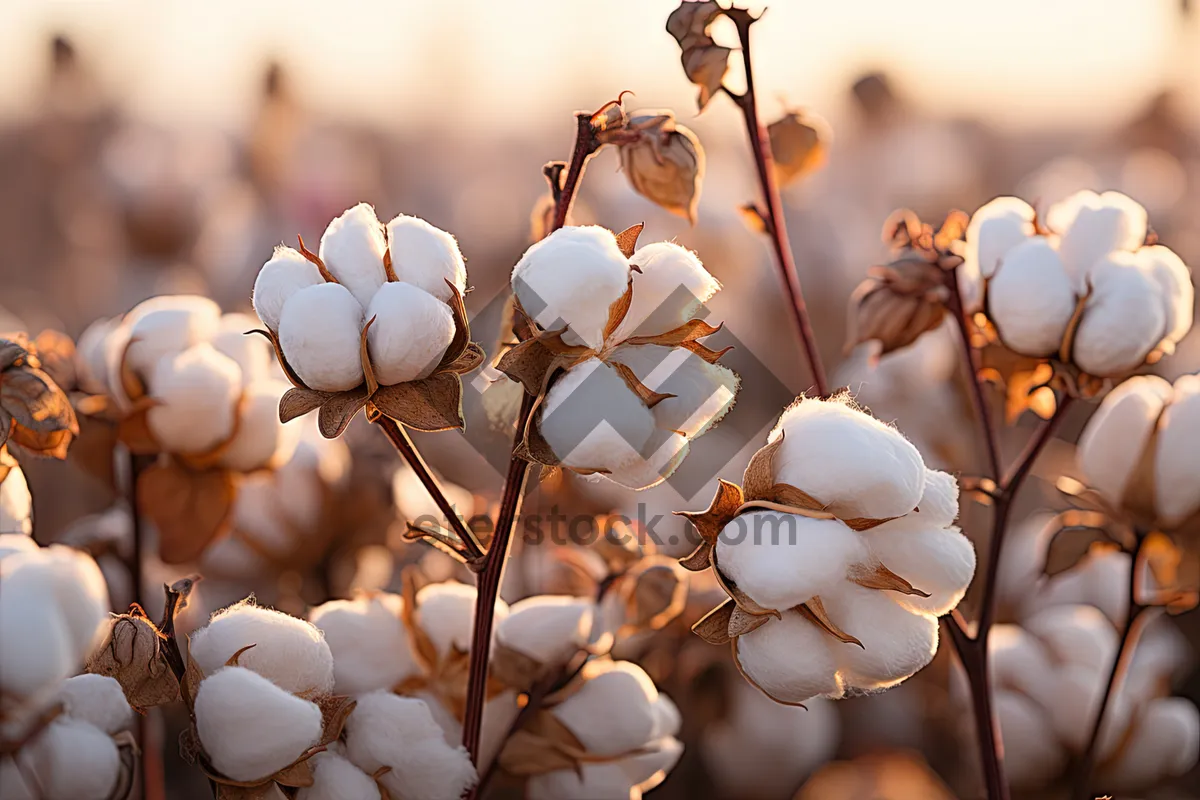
(98, 700)
(1099, 580)
(548, 628)
(1177, 459)
(411, 332)
(1092, 225)
(853, 463)
(1019, 662)
(74, 759)
(788, 659)
(1175, 281)
(369, 643)
(643, 473)
(46, 654)
(1165, 743)
(704, 392)
(896, 644)
(16, 543)
(336, 778)
(252, 353)
(249, 727)
(285, 274)
(1031, 299)
(782, 560)
(261, 439)
(613, 712)
(16, 504)
(196, 394)
(320, 333)
(352, 249)
(1075, 702)
(669, 290)
(289, 651)
(61, 579)
(592, 420)
(1125, 318)
(1032, 756)
(939, 500)
(166, 326)
(939, 561)
(426, 257)
(1112, 442)
(600, 781)
(571, 278)
(648, 768)
(446, 612)
(386, 730)
(93, 352)
(995, 229)
(1075, 635)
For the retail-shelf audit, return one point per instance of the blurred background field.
(150, 148)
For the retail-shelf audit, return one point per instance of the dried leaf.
(618, 310)
(647, 396)
(723, 508)
(192, 677)
(36, 402)
(297, 775)
(525, 753)
(689, 23)
(534, 447)
(189, 508)
(897, 303)
(707, 353)
(298, 402)
(316, 261)
(1068, 342)
(706, 67)
(700, 558)
(133, 431)
(429, 404)
(758, 481)
(880, 577)
(627, 239)
(798, 144)
(1163, 558)
(365, 358)
(741, 622)
(657, 593)
(529, 363)
(664, 161)
(713, 627)
(814, 612)
(462, 329)
(6, 425)
(422, 646)
(337, 412)
(471, 358)
(689, 331)
(335, 710)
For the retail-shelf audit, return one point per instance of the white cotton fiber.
(251, 352)
(1019, 662)
(16, 543)
(320, 333)
(261, 439)
(288, 651)
(571, 278)
(352, 250)
(782, 560)
(669, 290)
(285, 274)
(14, 779)
(1075, 635)
(73, 759)
(46, 653)
(895, 643)
(98, 700)
(426, 256)
(938, 561)
(1093, 225)
(1177, 460)
(1031, 753)
(369, 643)
(1165, 743)
(789, 659)
(853, 463)
(336, 778)
(643, 473)
(411, 332)
(1175, 281)
(1113, 439)
(446, 612)
(995, 229)
(1031, 299)
(614, 711)
(168, 325)
(548, 628)
(386, 730)
(249, 727)
(16, 504)
(196, 394)
(704, 392)
(939, 501)
(1126, 316)
(601, 781)
(93, 354)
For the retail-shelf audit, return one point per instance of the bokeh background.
(150, 148)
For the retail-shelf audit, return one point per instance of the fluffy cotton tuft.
(249, 727)
(1092, 225)
(411, 332)
(938, 561)
(251, 352)
(288, 651)
(789, 660)
(16, 543)
(386, 730)
(617, 709)
(896, 644)
(1177, 460)
(196, 394)
(704, 392)
(669, 290)
(166, 326)
(1032, 755)
(98, 700)
(320, 333)
(336, 778)
(16, 504)
(426, 256)
(73, 759)
(369, 643)
(571, 278)
(1165, 744)
(446, 612)
(352, 249)
(261, 439)
(1126, 316)
(1114, 437)
(547, 628)
(285, 274)
(1031, 299)
(995, 229)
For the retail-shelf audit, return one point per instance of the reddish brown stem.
(585, 146)
(400, 440)
(764, 162)
(957, 310)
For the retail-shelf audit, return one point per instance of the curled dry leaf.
(704, 61)
(35, 413)
(799, 144)
(189, 507)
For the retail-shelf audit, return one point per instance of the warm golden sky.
(1014, 61)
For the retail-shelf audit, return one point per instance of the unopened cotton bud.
(666, 165)
(592, 419)
(1126, 316)
(249, 727)
(74, 759)
(261, 439)
(168, 325)
(426, 256)
(289, 651)
(1113, 440)
(703, 392)
(1165, 743)
(411, 332)
(570, 279)
(1093, 225)
(285, 274)
(252, 353)
(614, 711)
(369, 643)
(938, 561)
(196, 397)
(1032, 754)
(352, 248)
(782, 560)
(1177, 460)
(16, 543)
(16, 504)
(336, 778)
(668, 291)
(320, 333)
(98, 700)
(446, 612)
(1075, 635)
(399, 734)
(848, 460)
(896, 644)
(995, 229)
(1031, 298)
(550, 629)
(788, 658)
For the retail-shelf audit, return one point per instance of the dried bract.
(664, 162)
(799, 143)
(704, 61)
(35, 414)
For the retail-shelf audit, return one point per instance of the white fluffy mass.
(352, 249)
(320, 333)
(286, 273)
(370, 646)
(550, 629)
(412, 330)
(260, 440)
(670, 289)
(336, 778)
(446, 613)
(73, 759)
(16, 504)
(1136, 298)
(196, 395)
(166, 325)
(98, 700)
(426, 257)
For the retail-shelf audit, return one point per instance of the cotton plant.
(623, 382)
(837, 555)
(374, 319)
(184, 384)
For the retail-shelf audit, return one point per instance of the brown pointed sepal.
(814, 612)
(723, 508)
(428, 404)
(880, 577)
